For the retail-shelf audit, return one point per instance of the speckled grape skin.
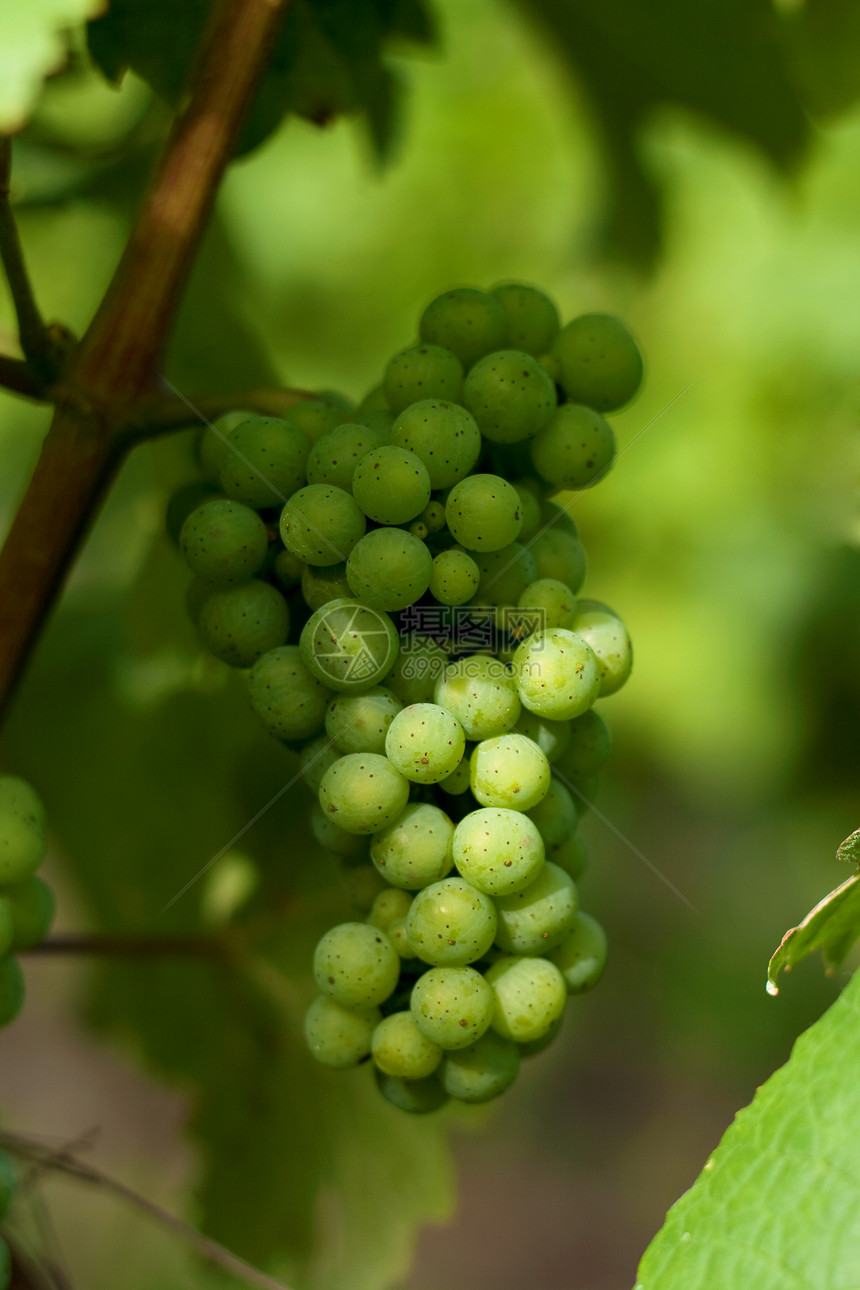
(288, 700)
(483, 513)
(321, 524)
(451, 923)
(399, 937)
(360, 722)
(537, 919)
(558, 554)
(499, 851)
(530, 995)
(481, 693)
(363, 792)
(547, 602)
(419, 666)
(422, 372)
(557, 674)
(606, 634)
(391, 485)
(339, 1037)
(483, 1070)
(389, 906)
(452, 1006)
(417, 849)
(465, 320)
(552, 737)
(224, 542)
(334, 457)
(575, 449)
(389, 569)
(455, 577)
(509, 771)
(22, 830)
(240, 624)
(504, 575)
(356, 965)
(348, 646)
(425, 742)
(399, 1048)
(510, 396)
(446, 438)
(581, 956)
(556, 816)
(601, 364)
(416, 1096)
(316, 757)
(531, 318)
(322, 583)
(264, 462)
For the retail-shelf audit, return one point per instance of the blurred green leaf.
(776, 1204)
(31, 47)
(832, 927)
(822, 43)
(850, 849)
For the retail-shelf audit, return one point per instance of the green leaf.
(822, 41)
(832, 927)
(31, 47)
(776, 1204)
(850, 849)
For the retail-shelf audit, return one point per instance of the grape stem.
(164, 415)
(62, 1160)
(36, 342)
(112, 373)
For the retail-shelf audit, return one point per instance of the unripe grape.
(286, 697)
(264, 462)
(416, 849)
(356, 965)
(509, 771)
(339, 1037)
(481, 693)
(498, 850)
(362, 884)
(316, 757)
(537, 919)
(422, 372)
(391, 485)
(483, 513)
(433, 516)
(575, 449)
(316, 417)
(417, 1096)
(334, 457)
(552, 737)
(224, 541)
(510, 396)
(419, 666)
(359, 722)
(444, 435)
(323, 583)
(556, 816)
(557, 674)
(483, 1070)
(531, 318)
(558, 555)
(529, 996)
(530, 506)
(451, 923)
(452, 1006)
(570, 854)
(581, 956)
(589, 745)
(321, 524)
(22, 830)
(600, 361)
(505, 574)
(466, 321)
(425, 742)
(349, 846)
(459, 780)
(349, 646)
(607, 636)
(455, 577)
(240, 624)
(389, 569)
(399, 1048)
(544, 603)
(363, 792)
(389, 906)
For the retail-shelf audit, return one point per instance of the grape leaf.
(776, 1204)
(832, 927)
(850, 849)
(32, 46)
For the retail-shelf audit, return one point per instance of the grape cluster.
(404, 594)
(26, 900)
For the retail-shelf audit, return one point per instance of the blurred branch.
(104, 943)
(164, 415)
(17, 375)
(210, 1250)
(35, 340)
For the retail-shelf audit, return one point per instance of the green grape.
(556, 816)
(483, 513)
(316, 757)
(321, 524)
(531, 317)
(551, 364)
(417, 849)
(452, 1006)
(316, 417)
(444, 435)
(422, 372)
(450, 923)
(322, 583)
(433, 516)
(334, 457)
(571, 855)
(466, 321)
(11, 989)
(264, 463)
(510, 771)
(224, 541)
(8, 1184)
(557, 674)
(544, 603)
(239, 624)
(537, 919)
(419, 529)
(558, 517)
(380, 422)
(363, 792)
(419, 666)
(558, 555)
(455, 577)
(530, 506)
(504, 575)
(606, 634)
(510, 396)
(552, 737)
(349, 846)
(417, 1096)
(7, 926)
(359, 722)
(601, 364)
(31, 906)
(356, 965)
(530, 995)
(498, 850)
(589, 746)
(288, 569)
(398, 934)
(459, 781)
(399, 1048)
(390, 905)
(536, 1046)
(183, 502)
(575, 449)
(391, 485)
(425, 742)
(339, 1037)
(389, 569)
(373, 401)
(211, 445)
(483, 1070)
(481, 693)
(286, 697)
(362, 884)
(22, 830)
(581, 956)
(349, 646)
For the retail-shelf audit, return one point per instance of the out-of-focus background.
(726, 536)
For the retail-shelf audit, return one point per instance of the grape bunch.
(26, 900)
(403, 592)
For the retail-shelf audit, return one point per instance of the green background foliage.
(726, 535)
